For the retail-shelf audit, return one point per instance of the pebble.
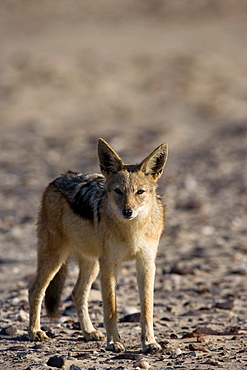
(128, 356)
(210, 361)
(22, 354)
(227, 305)
(135, 317)
(76, 325)
(15, 301)
(23, 316)
(194, 347)
(129, 310)
(10, 331)
(173, 336)
(56, 361)
(177, 352)
(83, 356)
(142, 364)
(74, 367)
(191, 203)
(184, 270)
(200, 340)
(69, 311)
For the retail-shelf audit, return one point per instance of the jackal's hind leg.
(89, 270)
(48, 266)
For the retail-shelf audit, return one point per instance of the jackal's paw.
(115, 347)
(38, 335)
(94, 336)
(151, 347)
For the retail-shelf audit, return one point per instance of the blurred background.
(137, 73)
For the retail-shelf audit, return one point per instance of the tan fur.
(104, 244)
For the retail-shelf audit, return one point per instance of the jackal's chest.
(128, 246)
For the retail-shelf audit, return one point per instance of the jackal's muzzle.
(127, 213)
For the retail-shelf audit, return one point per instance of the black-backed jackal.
(103, 220)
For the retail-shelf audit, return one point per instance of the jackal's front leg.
(108, 288)
(145, 278)
(88, 272)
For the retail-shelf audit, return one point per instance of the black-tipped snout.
(127, 212)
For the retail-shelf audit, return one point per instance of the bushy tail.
(54, 291)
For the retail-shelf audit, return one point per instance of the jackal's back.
(83, 193)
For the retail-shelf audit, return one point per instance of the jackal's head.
(131, 188)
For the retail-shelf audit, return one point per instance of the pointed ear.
(109, 160)
(154, 164)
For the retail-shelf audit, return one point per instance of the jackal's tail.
(54, 291)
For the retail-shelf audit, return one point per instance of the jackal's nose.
(127, 212)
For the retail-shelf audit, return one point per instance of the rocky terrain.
(137, 74)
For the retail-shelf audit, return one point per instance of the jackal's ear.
(154, 164)
(109, 160)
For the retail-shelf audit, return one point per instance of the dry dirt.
(137, 73)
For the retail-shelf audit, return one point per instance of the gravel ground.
(137, 74)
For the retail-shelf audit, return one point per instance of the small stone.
(38, 346)
(200, 340)
(210, 361)
(178, 352)
(227, 305)
(23, 353)
(142, 364)
(23, 315)
(194, 347)
(35, 359)
(164, 344)
(189, 204)
(76, 325)
(83, 356)
(129, 310)
(16, 348)
(205, 330)
(183, 270)
(173, 336)
(10, 331)
(135, 317)
(128, 356)
(50, 334)
(74, 367)
(15, 301)
(56, 361)
(45, 328)
(69, 311)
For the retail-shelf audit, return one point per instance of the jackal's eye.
(140, 191)
(118, 191)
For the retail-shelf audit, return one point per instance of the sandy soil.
(137, 74)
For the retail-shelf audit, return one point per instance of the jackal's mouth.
(128, 217)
